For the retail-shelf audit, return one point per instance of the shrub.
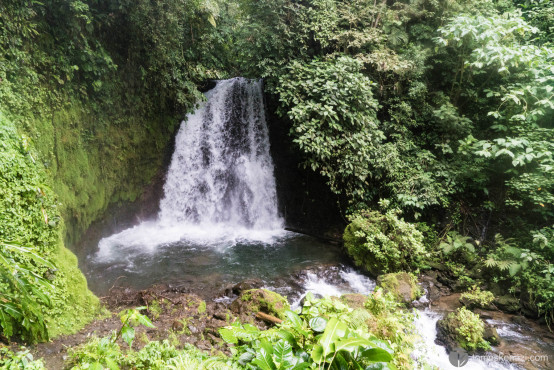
(463, 328)
(21, 360)
(477, 298)
(402, 285)
(382, 243)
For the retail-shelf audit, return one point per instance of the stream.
(218, 225)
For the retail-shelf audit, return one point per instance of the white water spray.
(220, 187)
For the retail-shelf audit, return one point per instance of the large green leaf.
(282, 351)
(286, 335)
(128, 334)
(376, 355)
(318, 324)
(264, 360)
(335, 330)
(294, 319)
(228, 335)
(352, 344)
(339, 363)
(317, 353)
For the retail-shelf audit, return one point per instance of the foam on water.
(427, 351)
(436, 355)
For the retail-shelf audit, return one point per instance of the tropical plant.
(477, 298)
(21, 360)
(300, 344)
(468, 328)
(24, 294)
(382, 243)
(333, 111)
(99, 353)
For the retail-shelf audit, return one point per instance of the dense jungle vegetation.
(431, 120)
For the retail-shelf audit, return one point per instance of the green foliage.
(458, 247)
(21, 360)
(460, 112)
(131, 318)
(25, 293)
(202, 307)
(94, 89)
(477, 298)
(383, 243)
(97, 353)
(469, 329)
(327, 333)
(39, 277)
(105, 352)
(402, 285)
(265, 300)
(295, 344)
(333, 111)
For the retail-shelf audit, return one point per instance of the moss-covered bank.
(97, 158)
(59, 172)
(30, 216)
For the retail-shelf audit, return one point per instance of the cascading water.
(222, 171)
(220, 185)
(218, 222)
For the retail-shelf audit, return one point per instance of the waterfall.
(220, 186)
(221, 171)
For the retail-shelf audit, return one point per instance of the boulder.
(491, 335)
(402, 285)
(252, 301)
(354, 300)
(507, 303)
(464, 329)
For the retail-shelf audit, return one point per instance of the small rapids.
(346, 280)
(218, 225)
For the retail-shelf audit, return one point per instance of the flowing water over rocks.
(218, 232)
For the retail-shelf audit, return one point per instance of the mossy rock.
(402, 285)
(507, 303)
(477, 298)
(491, 335)
(464, 329)
(260, 300)
(354, 300)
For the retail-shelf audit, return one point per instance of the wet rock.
(402, 285)
(446, 335)
(260, 300)
(461, 328)
(520, 320)
(221, 315)
(218, 323)
(507, 303)
(434, 292)
(246, 285)
(422, 302)
(204, 345)
(491, 335)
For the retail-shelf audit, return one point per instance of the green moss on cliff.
(96, 158)
(30, 216)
